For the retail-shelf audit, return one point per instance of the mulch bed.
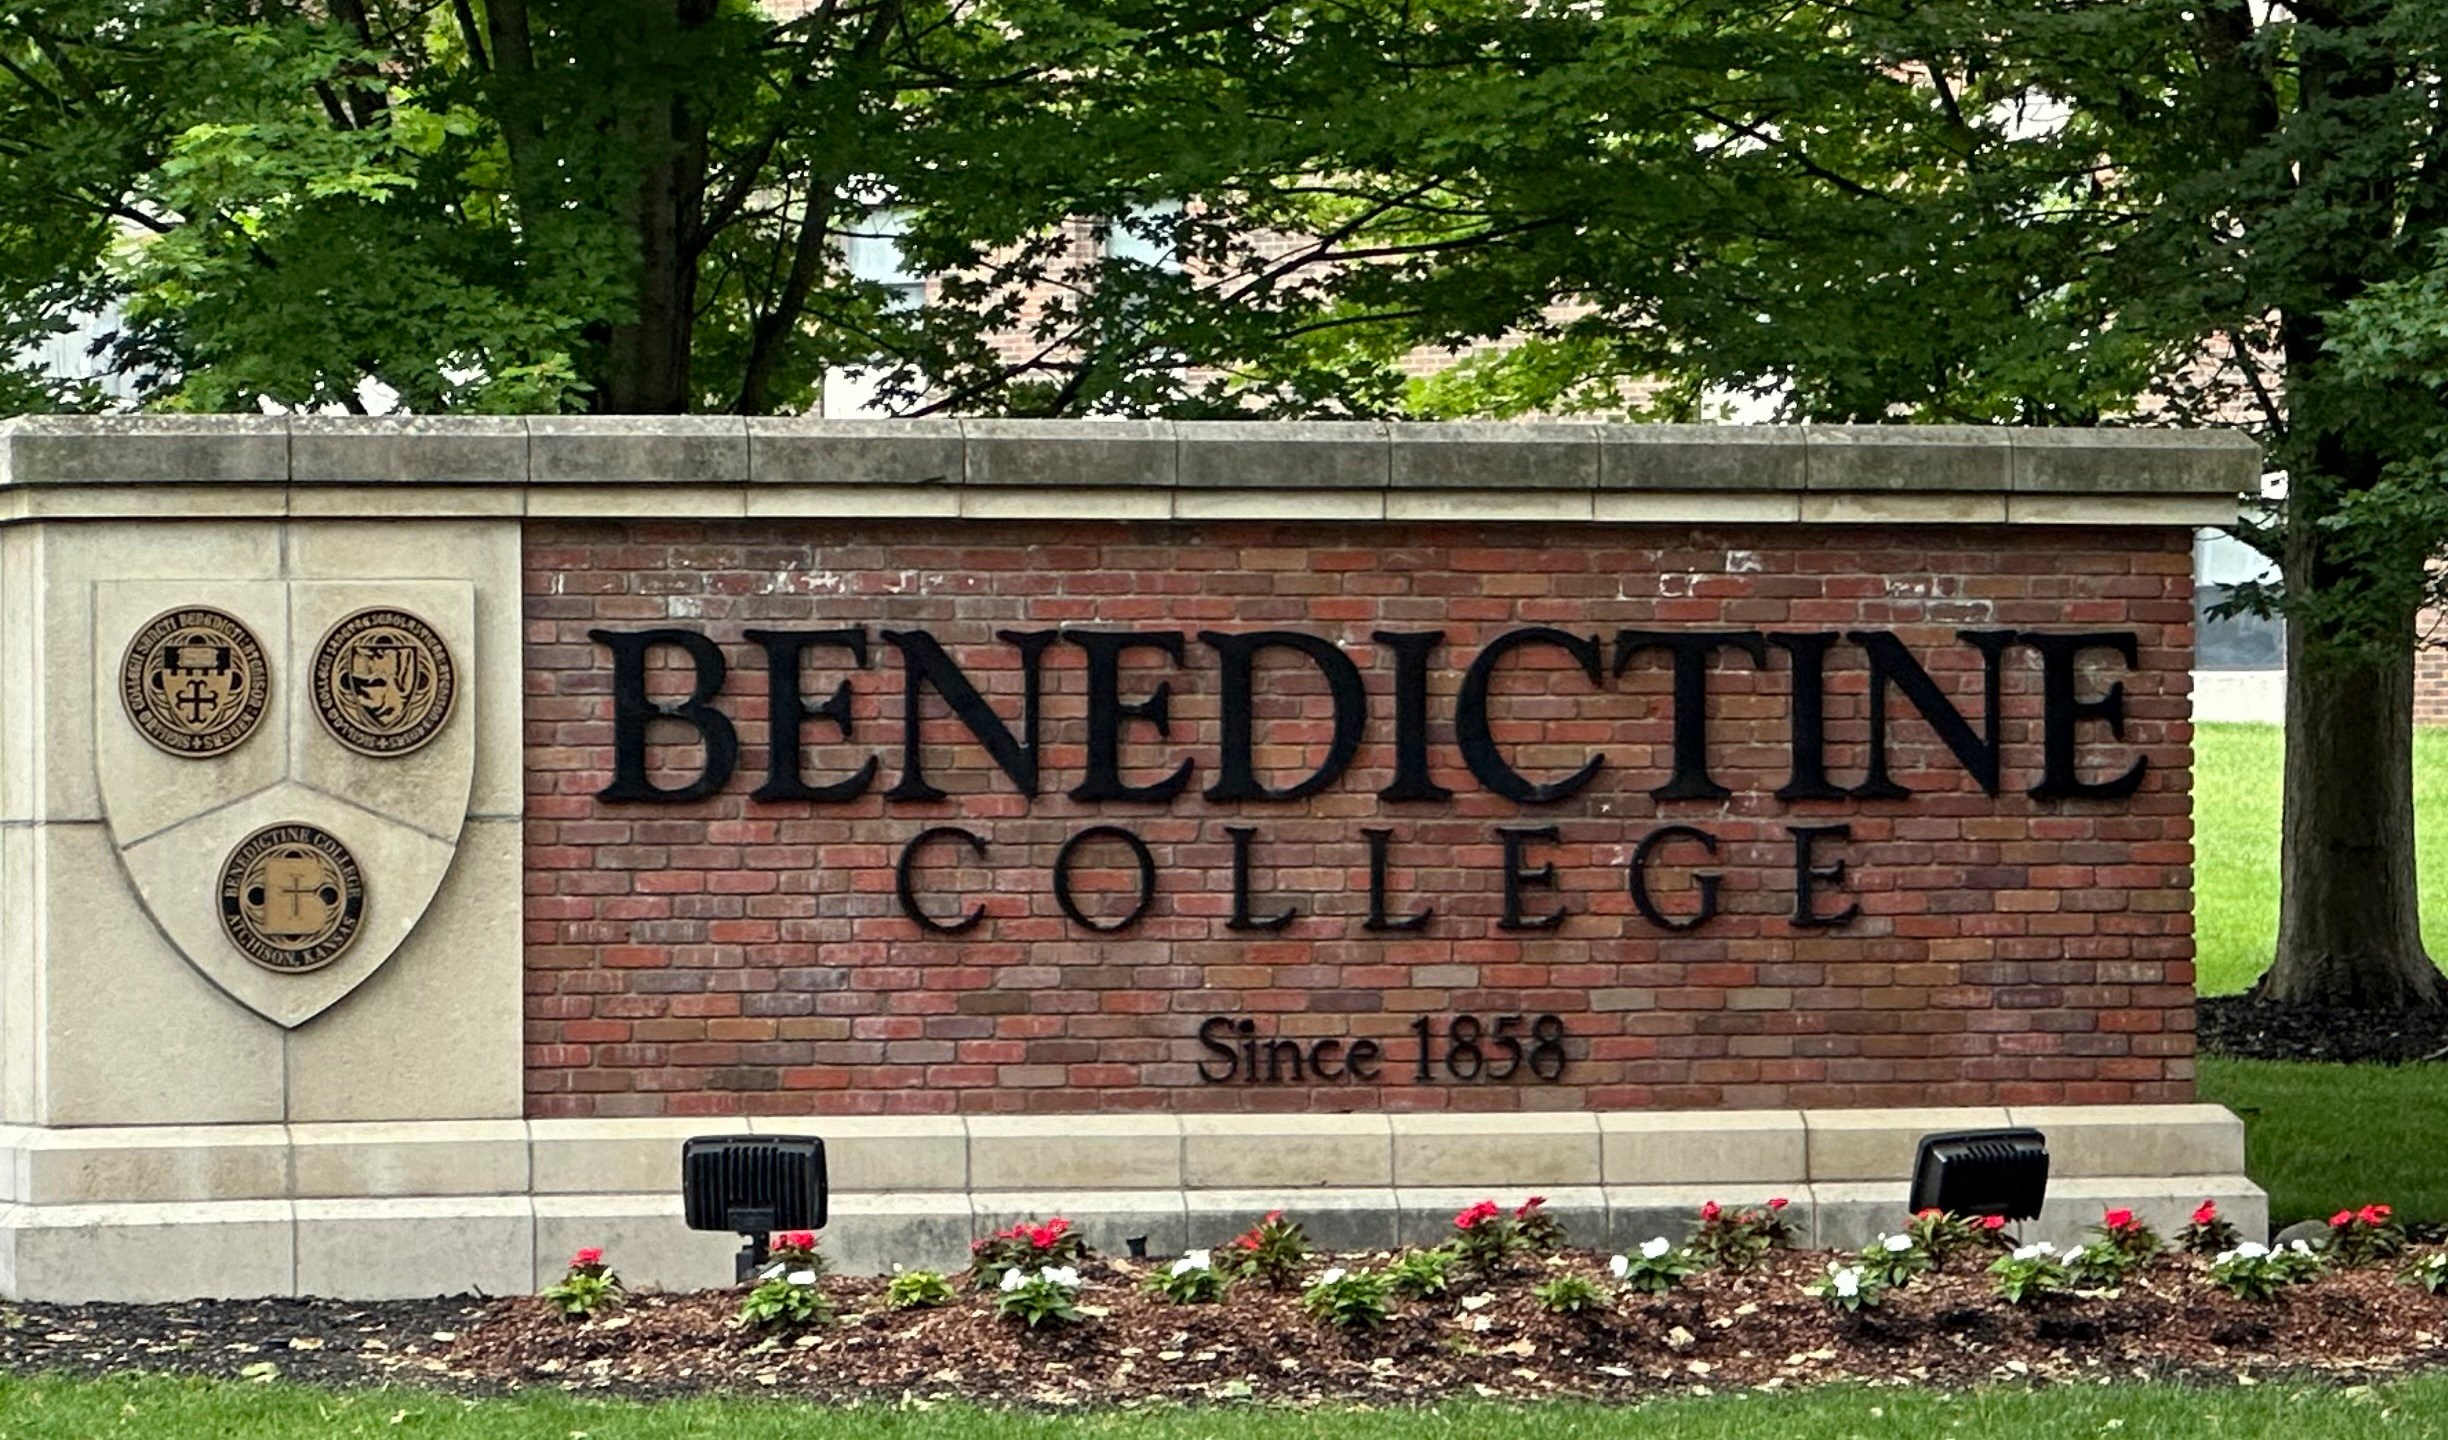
(336, 1343)
(2240, 1026)
(1718, 1332)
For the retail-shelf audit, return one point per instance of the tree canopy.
(2037, 211)
(640, 205)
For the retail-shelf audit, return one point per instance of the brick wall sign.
(415, 830)
(895, 816)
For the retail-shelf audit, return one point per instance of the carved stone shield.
(288, 868)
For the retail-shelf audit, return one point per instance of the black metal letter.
(924, 663)
(633, 715)
(1707, 882)
(1808, 721)
(1241, 917)
(1890, 662)
(1102, 778)
(1411, 651)
(787, 713)
(1377, 917)
(2060, 774)
(1477, 738)
(1809, 874)
(1208, 1040)
(1236, 768)
(905, 880)
(1691, 650)
(1517, 877)
(1062, 877)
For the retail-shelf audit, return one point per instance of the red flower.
(1249, 1241)
(2341, 1220)
(1709, 1212)
(1484, 1210)
(1993, 1222)
(1931, 1213)
(591, 1255)
(2207, 1214)
(2373, 1214)
(1529, 1205)
(2118, 1220)
(1778, 1202)
(796, 1240)
(1271, 1217)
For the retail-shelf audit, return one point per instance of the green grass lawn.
(2321, 1138)
(2318, 1137)
(2235, 844)
(56, 1409)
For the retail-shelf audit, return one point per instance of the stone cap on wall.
(715, 467)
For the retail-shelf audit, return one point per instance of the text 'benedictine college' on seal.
(383, 682)
(292, 898)
(194, 682)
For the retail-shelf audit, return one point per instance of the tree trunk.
(665, 126)
(646, 359)
(2349, 918)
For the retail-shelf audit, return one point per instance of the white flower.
(1846, 1282)
(2300, 1247)
(2250, 1250)
(1655, 1249)
(1620, 1266)
(1195, 1260)
(1063, 1275)
(1331, 1276)
(1013, 1279)
(803, 1277)
(1897, 1244)
(2037, 1250)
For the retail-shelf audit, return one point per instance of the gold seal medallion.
(292, 898)
(194, 682)
(383, 682)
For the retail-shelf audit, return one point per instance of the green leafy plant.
(1487, 1237)
(2123, 1230)
(1424, 1274)
(1027, 1245)
(587, 1287)
(796, 1250)
(786, 1298)
(1741, 1239)
(2429, 1272)
(2028, 1273)
(1893, 1260)
(1271, 1251)
(918, 1290)
(2362, 1237)
(2207, 1233)
(2100, 1265)
(1191, 1280)
(1657, 1267)
(1848, 1288)
(1569, 1295)
(1039, 1298)
(1942, 1236)
(1348, 1299)
(2253, 1271)
(1539, 1227)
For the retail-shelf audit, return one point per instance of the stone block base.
(175, 1212)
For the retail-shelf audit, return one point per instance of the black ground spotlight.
(1982, 1172)
(752, 1186)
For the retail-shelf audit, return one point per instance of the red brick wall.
(2431, 670)
(730, 956)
